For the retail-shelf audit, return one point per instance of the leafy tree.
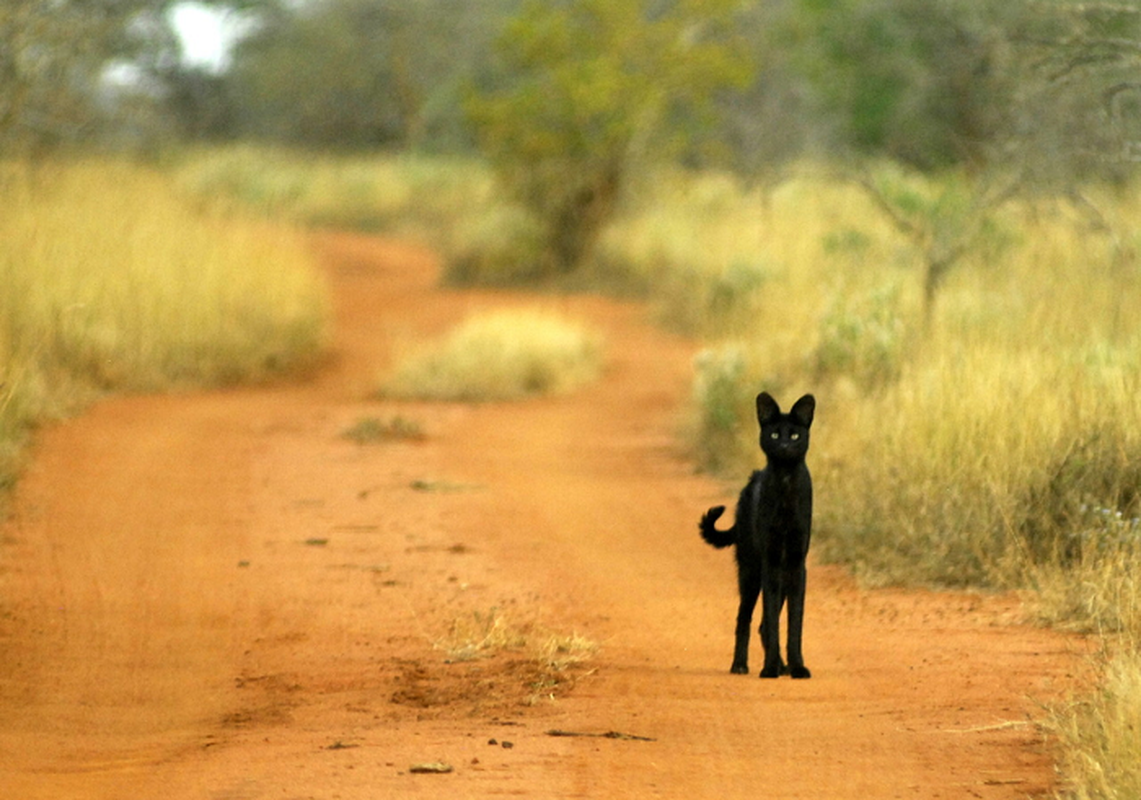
(921, 82)
(1031, 97)
(775, 120)
(582, 88)
(314, 75)
(52, 59)
(945, 219)
(198, 102)
(359, 73)
(56, 57)
(1081, 89)
(930, 86)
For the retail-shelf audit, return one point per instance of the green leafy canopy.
(582, 87)
(580, 79)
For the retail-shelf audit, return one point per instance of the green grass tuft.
(373, 430)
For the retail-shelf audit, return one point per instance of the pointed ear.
(767, 408)
(804, 409)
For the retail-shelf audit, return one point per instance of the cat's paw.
(800, 672)
(771, 670)
(740, 669)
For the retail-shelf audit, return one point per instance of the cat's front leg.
(797, 586)
(770, 632)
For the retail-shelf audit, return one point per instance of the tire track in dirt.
(217, 596)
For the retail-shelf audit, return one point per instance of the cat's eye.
(795, 436)
(774, 435)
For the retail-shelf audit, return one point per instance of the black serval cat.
(772, 530)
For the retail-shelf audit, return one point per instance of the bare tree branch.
(902, 223)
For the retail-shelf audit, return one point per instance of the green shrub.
(697, 300)
(720, 400)
(863, 336)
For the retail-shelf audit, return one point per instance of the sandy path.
(217, 596)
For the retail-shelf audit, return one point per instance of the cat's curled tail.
(710, 532)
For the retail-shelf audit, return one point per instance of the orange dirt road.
(219, 596)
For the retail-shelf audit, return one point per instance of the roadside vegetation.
(1098, 732)
(401, 193)
(112, 282)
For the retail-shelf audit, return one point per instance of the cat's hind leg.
(771, 604)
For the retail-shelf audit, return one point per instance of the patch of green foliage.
(588, 88)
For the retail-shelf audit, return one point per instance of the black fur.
(772, 532)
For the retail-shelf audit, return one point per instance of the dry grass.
(551, 656)
(501, 355)
(941, 450)
(442, 199)
(1101, 733)
(374, 430)
(112, 277)
(112, 282)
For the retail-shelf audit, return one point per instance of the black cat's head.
(784, 437)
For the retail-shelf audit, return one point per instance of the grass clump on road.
(373, 430)
(501, 355)
(545, 660)
(482, 634)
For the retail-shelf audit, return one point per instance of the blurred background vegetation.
(571, 102)
(925, 212)
(1047, 87)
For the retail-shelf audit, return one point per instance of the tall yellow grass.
(1100, 733)
(112, 281)
(938, 446)
(402, 193)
